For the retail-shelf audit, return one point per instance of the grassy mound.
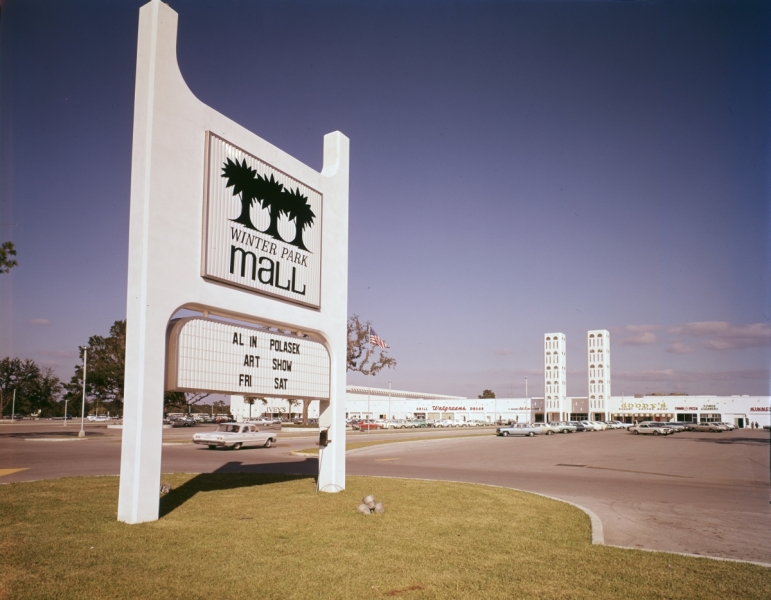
(269, 536)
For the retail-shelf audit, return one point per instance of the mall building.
(556, 405)
(379, 403)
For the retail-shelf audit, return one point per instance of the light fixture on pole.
(82, 432)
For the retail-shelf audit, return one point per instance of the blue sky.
(517, 168)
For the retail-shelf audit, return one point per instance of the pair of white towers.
(556, 406)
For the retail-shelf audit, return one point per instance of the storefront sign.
(632, 406)
(760, 409)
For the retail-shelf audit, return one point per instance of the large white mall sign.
(225, 224)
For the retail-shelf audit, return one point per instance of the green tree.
(298, 210)
(106, 367)
(7, 250)
(36, 389)
(487, 394)
(364, 357)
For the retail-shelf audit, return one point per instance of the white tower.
(598, 357)
(555, 377)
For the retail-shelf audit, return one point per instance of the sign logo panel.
(262, 228)
(208, 355)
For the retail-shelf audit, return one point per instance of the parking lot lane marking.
(386, 459)
(563, 465)
(4, 472)
(642, 472)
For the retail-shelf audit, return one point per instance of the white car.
(445, 423)
(236, 436)
(651, 428)
(98, 418)
(590, 425)
(704, 426)
(728, 426)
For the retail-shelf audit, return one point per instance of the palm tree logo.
(273, 196)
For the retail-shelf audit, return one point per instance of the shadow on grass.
(234, 475)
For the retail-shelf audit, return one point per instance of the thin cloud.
(672, 375)
(504, 351)
(637, 335)
(39, 322)
(726, 336)
(679, 348)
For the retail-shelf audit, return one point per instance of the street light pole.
(82, 432)
(13, 407)
(526, 387)
(389, 399)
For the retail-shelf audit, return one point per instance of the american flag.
(375, 340)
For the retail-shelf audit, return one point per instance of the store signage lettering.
(686, 408)
(709, 407)
(760, 409)
(643, 406)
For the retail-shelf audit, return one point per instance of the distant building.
(555, 377)
(598, 373)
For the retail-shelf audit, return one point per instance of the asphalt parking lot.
(699, 493)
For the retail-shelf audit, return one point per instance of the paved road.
(693, 492)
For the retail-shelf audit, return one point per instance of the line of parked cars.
(532, 429)
(370, 424)
(668, 428)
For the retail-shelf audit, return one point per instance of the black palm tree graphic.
(297, 208)
(269, 192)
(241, 177)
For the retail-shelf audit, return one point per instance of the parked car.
(677, 427)
(564, 427)
(548, 428)
(728, 426)
(714, 427)
(445, 423)
(417, 423)
(370, 425)
(579, 425)
(182, 422)
(590, 426)
(527, 429)
(651, 428)
(236, 436)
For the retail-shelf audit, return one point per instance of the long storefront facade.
(379, 403)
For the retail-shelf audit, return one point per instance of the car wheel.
(268, 443)
(505, 434)
(531, 434)
(236, 446)
(656, 433)
(636, 432)
(212, 447)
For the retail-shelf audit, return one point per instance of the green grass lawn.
(268, 536)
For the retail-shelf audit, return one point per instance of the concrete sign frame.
(168, 178)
